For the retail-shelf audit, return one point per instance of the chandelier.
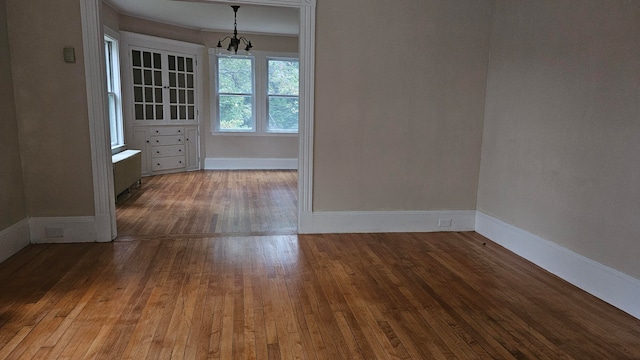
(235, 41)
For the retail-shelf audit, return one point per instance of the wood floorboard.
(343, 296)
(210, 202)
(199, 276)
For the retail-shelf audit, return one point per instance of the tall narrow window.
(235, 90)
(113, 91)
(282, 93)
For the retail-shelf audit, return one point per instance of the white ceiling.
(207, 15)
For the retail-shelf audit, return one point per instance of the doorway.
(105, 214)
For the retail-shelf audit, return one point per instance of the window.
(256, 94)
(282, 95)
(235, 94)
(113, 91)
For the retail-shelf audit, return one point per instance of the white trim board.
(73, 229)
(250, 164)
(14, 238)
(96, 81)
(605, 283)
(386, 221)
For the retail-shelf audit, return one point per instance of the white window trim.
(216, 101)
(260, 94)
(114, 37)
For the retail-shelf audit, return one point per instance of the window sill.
(118, 149)
(253, 133)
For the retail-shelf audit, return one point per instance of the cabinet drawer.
(164, 151)
(166, 130)
(168, 163)
(167, 140)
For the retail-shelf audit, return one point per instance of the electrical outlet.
(444, 222)
(54, 232)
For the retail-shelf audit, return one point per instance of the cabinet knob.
(157, 152)
(147, 141)
(179, 130)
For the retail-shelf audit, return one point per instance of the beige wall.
(562, 126)
(236, 146)
(147, 27)
(12, 206)
(216, 146)
(399, 103)
(110, 17)
(51, 107)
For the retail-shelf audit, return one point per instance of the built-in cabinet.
(162, 97)
(168, 148)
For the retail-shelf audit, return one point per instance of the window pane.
(113, 119)
(137, 94)
(158, 95)
(235, 112)
(139, 110)
(235, 75)
(148, 110)
(135, 57)
(148, 94)
(158, 78)
(107, 54)
(157, 63)
(146, 59)
(283, 113)
(148, 78)
(283, 77)
(190, 80)
(137, 76)
(180, 63)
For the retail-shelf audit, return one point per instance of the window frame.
(112, 74)
(260, 93)
(217, 94)
(268, 95)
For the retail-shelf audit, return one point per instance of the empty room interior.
(320, 179)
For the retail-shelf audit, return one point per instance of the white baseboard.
(14, 238)
(250, 164)
(385, 221)
(74, 229)
(605, 283)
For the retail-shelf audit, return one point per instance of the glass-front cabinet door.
(164, 90)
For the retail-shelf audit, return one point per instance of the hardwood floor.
(177, 285)
(348, 296)
(211, 202)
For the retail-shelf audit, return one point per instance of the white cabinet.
(168, 148)
(162, 97)
(192, 148)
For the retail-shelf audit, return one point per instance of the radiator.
(127, 169)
